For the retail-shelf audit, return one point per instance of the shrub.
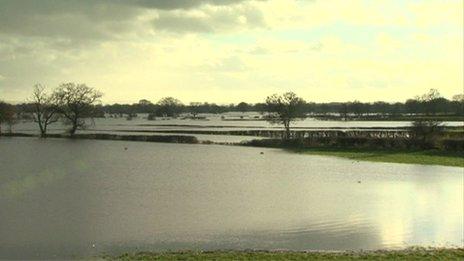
(339, 142)
(151, 117)
(426, 132)
(453, 144)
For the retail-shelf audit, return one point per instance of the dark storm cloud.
(64, 19)
(85, 19)
(43, 40)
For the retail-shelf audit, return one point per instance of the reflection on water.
(68, 198)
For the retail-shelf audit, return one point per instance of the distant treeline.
(428, 104)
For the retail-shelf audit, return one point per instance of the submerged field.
(215, 130)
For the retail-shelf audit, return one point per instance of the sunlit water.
(78, 198)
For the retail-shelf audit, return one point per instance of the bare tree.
(195, 108)
(458, 104)
(3, 107)
(7, 115)
(425, 132)
(458, 98)
(284, 109)
(169, 107)
(243, 107)
(430, 101)
(2, 114)
(344, 111)
(76, 102)
(45, 109)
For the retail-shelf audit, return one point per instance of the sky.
(228, 51)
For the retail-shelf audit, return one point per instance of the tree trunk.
(73, 129)
(38, 119)
(43, 131)
(287, 130)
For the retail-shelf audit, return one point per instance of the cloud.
(258, 50)
(182, 4)
(99, 19)
(76, 20)
(269, 46)
(223, 50)
(230, 64)
(210, 19)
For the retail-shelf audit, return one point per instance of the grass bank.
(407, 254)
(395, 150)
(426, 157)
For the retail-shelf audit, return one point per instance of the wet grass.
(426, 157)
(406, 254)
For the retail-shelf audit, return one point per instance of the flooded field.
(64, 198)
(213, 123)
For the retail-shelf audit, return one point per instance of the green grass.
(407, 254)
(428, 157)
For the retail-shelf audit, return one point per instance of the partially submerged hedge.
(360, 142)
(149, 138)
(105, 136)
(453, 144)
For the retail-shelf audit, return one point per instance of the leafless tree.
(45, 109)
(7, 115)
(76, 102)
(169, 107)
(425, 132)
(430, 101)
(194, 109)
(284, 109)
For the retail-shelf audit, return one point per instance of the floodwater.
(142, 126)
(64, 198)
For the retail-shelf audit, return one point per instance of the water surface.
(72, 198)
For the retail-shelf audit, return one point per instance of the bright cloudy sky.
(227, 51)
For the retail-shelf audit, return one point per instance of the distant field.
(403, 117)
(428, 157)
(408, 254)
